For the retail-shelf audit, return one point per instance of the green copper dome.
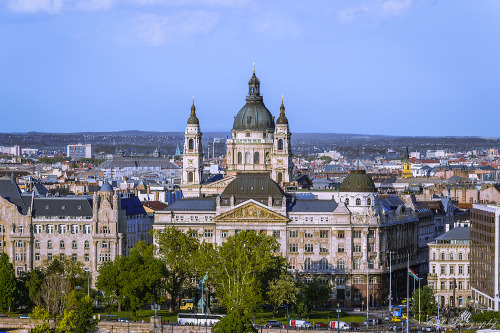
(358, 181)
(193, 119)
(254, 115)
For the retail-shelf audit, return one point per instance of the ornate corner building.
(338, 241)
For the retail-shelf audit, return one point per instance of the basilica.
(345, 241)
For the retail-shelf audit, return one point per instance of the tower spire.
(193, 119)
(357, 162)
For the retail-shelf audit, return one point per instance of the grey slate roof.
(459, 233)
(10, 192)
(137, 163)
(80, 206)
(194, 204)
(132, 205)
(312, 206)
(106, 187)
(390, 203)
(252, 186)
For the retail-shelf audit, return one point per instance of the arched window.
(292, 263)
(37, 244)
(452, 256)
(74, 245)
(460, 256)
(347, 201)
(191, 144)
(369, 202)
(190, 177)
(279, 177)
(240, 160)
(86, 244)
(340, 264)
(373, 280)
(49, 244)
(358, 202)
(356, 263)
(307, 264)
(323, 263)
(434, 256)
(256, 158)
(280, 144)
(370, 263)
(61, 244)
(247, 158)
(442, 256)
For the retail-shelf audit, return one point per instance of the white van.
(339, 325)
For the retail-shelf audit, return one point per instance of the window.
(460, 285)
(37, 256)
(371, 233)
(373, 280)
(50, 229)
(460, 256)
(323, 234)
(341, 280)
(104, 245)
(62, 229)
(356, 280)
(452, 269)
(347, 201)
(451, 284)
(256, 158)
(442, 256)
(433, 255)
(209, 233)
(356, 234)
(191, 144)
(276, 233)
(358, 202)
(356, 263)
(87, 229)
(341, 234)
(307, 264)
(460, 269)
(61, 244)
(86, 244)
(74, 245)
(49, 244)
(371, 263)
(443, 286)
(293, 233)
(357, 248)
(86, 257)
(340, 264)
(247, 158)
(292, 263)
(280, 144)
(323, 248)
(308, 234)
(308, 248)
(223, 233)
(49, 256)
(193, 233)
(74, 229)
(369, 202)
(74, 257)
(433, 269)
(239, 158)
(323, 264)
(37, 244)
(443, 267)
(20, 229)
(340, 248)
(293, 247)
(452, 256)
(38, 228)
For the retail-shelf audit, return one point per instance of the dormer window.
(63, 207)
(47, 207)
(79, 207)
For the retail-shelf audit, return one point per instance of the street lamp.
(338, 318)
(390, 282)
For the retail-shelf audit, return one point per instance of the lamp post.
(338, 318)
(390, 282)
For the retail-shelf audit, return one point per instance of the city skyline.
(407, 67)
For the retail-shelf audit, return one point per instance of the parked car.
(395, 328)
(24, 316)
(429, 329)
(124, 320)
(321, 325)
(273, 324)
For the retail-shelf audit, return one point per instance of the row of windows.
(62, 229)
(358, 201)
(323, 264)
(455, 285)
(62, 244)
(451, 269)
(451, 256)
(74, 256)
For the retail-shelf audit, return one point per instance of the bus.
(399, 313)
(187, 304)
(199, 319)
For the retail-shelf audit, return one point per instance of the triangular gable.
(250, 212)
(220, 183)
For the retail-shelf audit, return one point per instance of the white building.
(78, 151)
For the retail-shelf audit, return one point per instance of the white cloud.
(277, 26)
(380, 10)
(92, 5)
(33, 6)
(154, 30)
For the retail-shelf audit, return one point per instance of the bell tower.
(192, 157)
(281, 157)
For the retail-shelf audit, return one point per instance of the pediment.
(251, 212)
(220, 183)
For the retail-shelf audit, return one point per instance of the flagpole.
(419, 301)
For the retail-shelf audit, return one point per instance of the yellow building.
(407, 165)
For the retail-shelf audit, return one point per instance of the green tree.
(109, 280)
(239, 269)
(428, 304)
(235, 322)
(178, 251)
(311, 295)
(78, 317)
(42, 315)
(7, 284)
(282, 290)
(326, 159)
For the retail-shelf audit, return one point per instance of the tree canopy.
(7, 283)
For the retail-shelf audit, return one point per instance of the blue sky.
(399, 67)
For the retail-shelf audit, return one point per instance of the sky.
(396, 67)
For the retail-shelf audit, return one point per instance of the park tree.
(311, 295)
(239, 269)
(7, 284)
(428, 305)
(178, 251)
(282, 290)
(43, 318)
(235, 322)
(109, 280)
